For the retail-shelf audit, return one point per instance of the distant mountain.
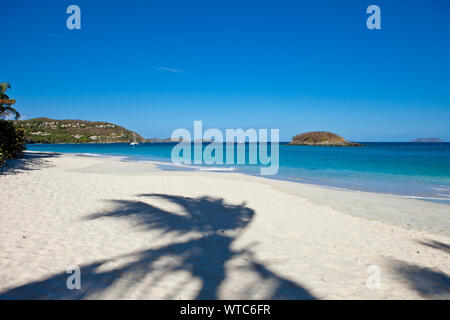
(165, 140)
(322, 138)
(45, 130)
(427, 140)
(158, 140)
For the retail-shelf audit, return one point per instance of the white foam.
(96, 155)
(440, 189)
(217, 169)
(425, 198)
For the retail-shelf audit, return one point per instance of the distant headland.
(45, 130)
(322, 138)
(427, 140)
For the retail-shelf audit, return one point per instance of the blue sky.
(154, 66)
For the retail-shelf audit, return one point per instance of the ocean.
(417, 170)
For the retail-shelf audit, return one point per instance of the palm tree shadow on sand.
(430, 283)
(29, 161)
(215, 224)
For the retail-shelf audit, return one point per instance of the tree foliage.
(12, 139)
(5, 103)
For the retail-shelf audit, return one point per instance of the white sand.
(141, 233)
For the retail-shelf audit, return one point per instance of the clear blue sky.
(157, 65)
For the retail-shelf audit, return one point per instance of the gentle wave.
(426, 198)
(98, 155)
(218, 169)
(440, 189)
(197, 168)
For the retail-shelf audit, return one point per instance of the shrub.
(12, 140)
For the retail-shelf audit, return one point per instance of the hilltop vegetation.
(322, 138)
(45, 130)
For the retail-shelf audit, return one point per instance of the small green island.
(45, 130)
(322, 138)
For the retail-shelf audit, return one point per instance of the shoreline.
(202, 168)
(421, 219)
(140, 232)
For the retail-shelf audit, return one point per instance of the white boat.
(134, 142)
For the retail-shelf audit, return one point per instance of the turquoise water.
(410, 169)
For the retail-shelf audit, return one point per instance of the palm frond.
(4, 86)
(5, 111)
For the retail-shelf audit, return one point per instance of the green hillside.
(45, 130)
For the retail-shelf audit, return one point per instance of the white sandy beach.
(138, 232)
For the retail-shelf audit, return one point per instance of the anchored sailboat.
(134, 142)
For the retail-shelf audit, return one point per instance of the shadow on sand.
(215, 224)
(26, 162)
(429, 283)
(436, 245)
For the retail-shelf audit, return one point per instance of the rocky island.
(322, 138)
